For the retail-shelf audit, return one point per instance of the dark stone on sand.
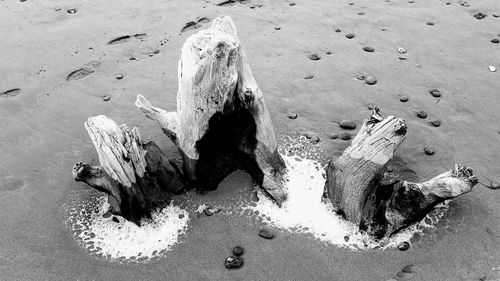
(436, 123)
(277, 28)
(347, 124)
(345, 136)
(404, 98)
(292, 4)
(106, 98)
(308, 136)
(346, 238)
(403, 246)
(181, 216)
(429, 150)
(309, 76)
(266, 233)
(402, 58)
(334, 136)
(368, 49)
(479, 16)
(422, 114)
(371, 80)
(115, 219)
(314, 56)
(435, 93)
(495, 40)
(119, 76)
(71, 11)
(238, 251)
(315, 139)
(292, 115)
(328, 53)
(430, 23)
(338, 30)
(233, 262)
(349, 35)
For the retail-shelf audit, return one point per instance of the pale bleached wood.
(379, 203)
(215, 78)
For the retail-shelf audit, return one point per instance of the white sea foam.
(124, 240)
(304, 211)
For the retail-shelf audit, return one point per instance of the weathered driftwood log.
(382, 204)
(221, 123)
(136, 175)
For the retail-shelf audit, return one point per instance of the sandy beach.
(59, 66)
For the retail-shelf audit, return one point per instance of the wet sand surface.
(56, 66)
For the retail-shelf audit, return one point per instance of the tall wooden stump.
(136, 175)
(378, 202)
(221, 123)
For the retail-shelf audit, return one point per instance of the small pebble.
(430, 23)
(371, 106)
(234, 262)
(346, 238)
(349, 35)
(479, 16)
(407, 268)
(292, 4)
(347, 124)
(436, 123)
(402, 58)
(328, 53)
(495, 185)
(309, 76)
(495, 15)
(209, 211)
(492, 68)
(370, 80)
(495, 40)
(435, 93)
(334, 136)
(403, 246)
(361, 13)
(308, 136)
(71, 11)
(429, 150)
(368, 49)
(401, 50)
(292, 115)
(277, 28)
(422, 114)
(238, 251)
(403, 98)
(338, 30)
(314, 57)
(266, 233)
(115, 219)
(411, 1)
(106, 98)
(315, 139)
(361, 77)
(344, 136)
(119, 76)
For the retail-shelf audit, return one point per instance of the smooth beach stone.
(435, 93)
(371, 80)
(238, 251)
(314, 56)
(234, 262)
(429, 150)
(266, 233)
(404, 98)
(436, 123)
(369, 49)
(345, 136)
(495, 40)
(277, 28)
(403, 246)
(347, 124)
(401, 50)
(292, 115)
(106, 98)
(422, 114)
(119, 76)
(349, 35)
(334, 136)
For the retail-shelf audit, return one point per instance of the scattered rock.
(338, 30)
(106, 98)
(361, 13)
(10, 93)
(209, 211)
(495, 185)
(119, 76)
(403, 246)
(435, 93)
(234, 262)
(495, 40)
(315, 139)
(125, 38)
(346, 238)
(292, 4)
(238, 251)
(328, 53)
(371, 106)
(266, 233)
(479, 16)
(401, 50)
(115, 219)
(361, 77)
(404, 98)
(345, 136)
(368, 49)
(436, 123)
(407, 268)
(422, 114)
(107, 214)
(429, 150)
(402, 58)
(71, 11)
(334, 136)
(292, 115)
(314, 56)
(349, 35)
(492, 68)
(309, 76)
(411, 1)
(79, 74)
(430, 23)
(347, 124)
(308, 136)
(495, 15)
(370, 80)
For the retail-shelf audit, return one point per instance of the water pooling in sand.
(304, 211)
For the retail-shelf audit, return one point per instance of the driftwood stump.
(136, 175)
(381, 204)
(221, 123)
